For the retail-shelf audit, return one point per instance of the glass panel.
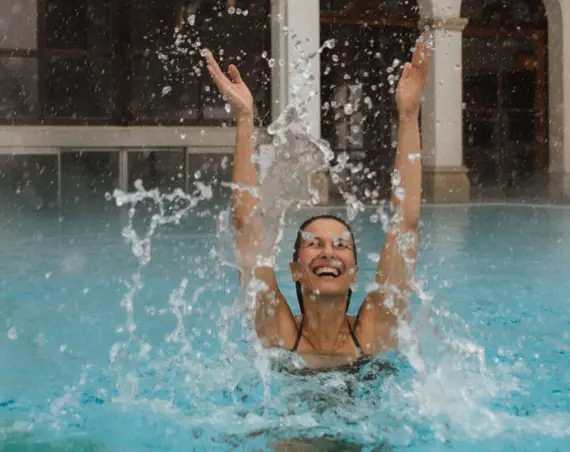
(154, 23)
(18, 88)
(170, 79)
(78, 24)
(165, 89)
(87, 176)
(480, 91)
(501, 14)
(480, 53)
(211, 169)
(163, 168)
(519, 90)
(358, 87)
(78, 88)
(479, 132)
(522, 128)
(28, 182)
(18, 24)
(334, 5)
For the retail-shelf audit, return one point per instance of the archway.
(358, 79)
(505, 94)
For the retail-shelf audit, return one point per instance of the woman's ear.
(296, 271)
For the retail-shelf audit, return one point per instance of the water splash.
(445, 389)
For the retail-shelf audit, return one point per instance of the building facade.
(117, 90)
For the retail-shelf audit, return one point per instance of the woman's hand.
(412, 82)
(235, 90)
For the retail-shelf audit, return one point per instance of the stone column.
(559, 98)
(295, 36)
(444, 177)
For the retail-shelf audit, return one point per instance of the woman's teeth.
(327, 271)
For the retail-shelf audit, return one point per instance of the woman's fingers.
(234, 74)
(221, 81)
(420, 58)
(406, 71)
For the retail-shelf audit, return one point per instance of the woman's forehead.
(326, 228)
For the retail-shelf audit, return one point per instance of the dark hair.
(297, 247)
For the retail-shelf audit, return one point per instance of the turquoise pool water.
(495, 377)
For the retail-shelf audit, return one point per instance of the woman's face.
(326, 262)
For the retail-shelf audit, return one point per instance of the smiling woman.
(324, 267)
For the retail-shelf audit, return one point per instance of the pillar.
(296, 76)
(559, 98)
(445, 177)
(295, 36)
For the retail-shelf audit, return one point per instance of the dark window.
(129, 62)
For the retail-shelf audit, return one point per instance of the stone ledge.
(446, 184)
(443, 23)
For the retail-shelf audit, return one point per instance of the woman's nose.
(328, 249)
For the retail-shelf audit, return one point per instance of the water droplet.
(228, 108)
(12, 333)
(335, 58)
(271, 62)
(231, 10)
(330, 43)
(197, 174)
(348, 109)
(396, 178)
(166, 90)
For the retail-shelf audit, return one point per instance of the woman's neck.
(324, 321)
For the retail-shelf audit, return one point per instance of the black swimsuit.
(352, 335)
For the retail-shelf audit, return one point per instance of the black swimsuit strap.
(299, 335)
(351, 331)
(353, 335)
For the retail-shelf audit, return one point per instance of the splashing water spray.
(447, 384)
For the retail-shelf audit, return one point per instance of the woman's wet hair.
(297, 247)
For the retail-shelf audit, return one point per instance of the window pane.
(479, 132)
(78, 24)
(18, 88)
(87, 176)
(28, 182)
(154, 24)
(157, 168)
(480, 53)
(519, 90)
(170, 78)
(18, 24)
(480, 91)
(165, 89)
(78, 88)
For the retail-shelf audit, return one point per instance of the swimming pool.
(79, 374)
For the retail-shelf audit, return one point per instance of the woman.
(324, 266)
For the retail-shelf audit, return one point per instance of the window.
(126, 62)
(401, 10)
